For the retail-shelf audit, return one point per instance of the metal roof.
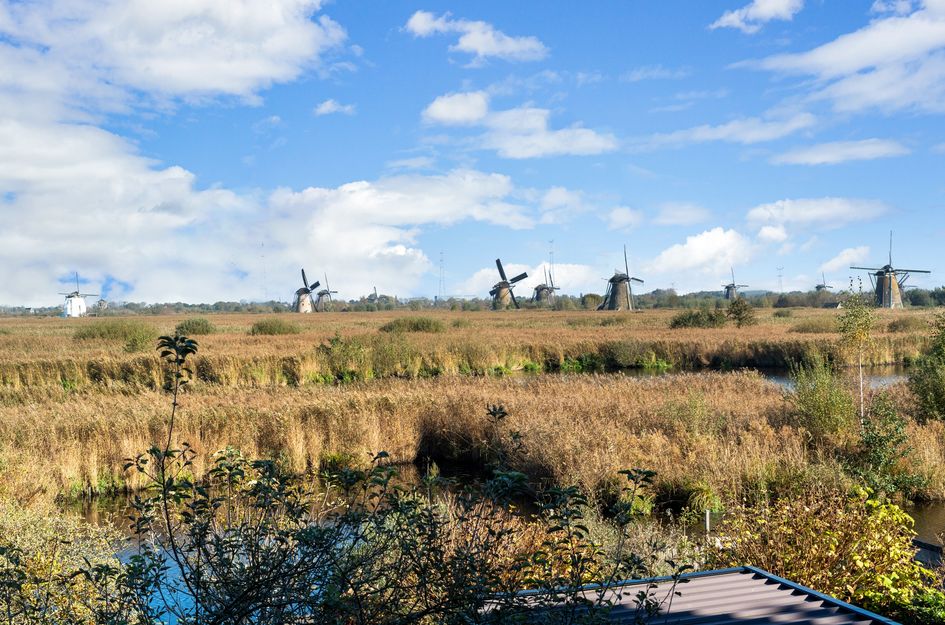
(738, 596)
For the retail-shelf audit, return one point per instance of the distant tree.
(741, 312)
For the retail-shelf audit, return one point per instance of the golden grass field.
(71, 411)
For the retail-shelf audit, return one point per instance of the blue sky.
(207, 151)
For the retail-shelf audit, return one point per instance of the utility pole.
(442, 287)
(780, 279)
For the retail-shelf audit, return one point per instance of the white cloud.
(519, 132)
(623, 218)
(329, 107)
(414, 162)
(108, 51)
(896, 62)
(826, 211)
(681, 214)
(751, 17)
(480, 39)
(710, 252)
(559, 204)
(458, 108)
(745, 131)
(899, 7)
(654, 72)
(841, 152)
(847, 257)
(773, 234)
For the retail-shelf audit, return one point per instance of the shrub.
(702, 318)
(741, 312)
(413, 324)
(137, 335)
(823, 405)
(783, 313)
(851, 547)
(927, 375)
(274, 326)
(194, 326)
(816, 325)
(907, 324)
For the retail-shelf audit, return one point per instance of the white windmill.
(74, 306)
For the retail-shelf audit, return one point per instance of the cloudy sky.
(206, 150)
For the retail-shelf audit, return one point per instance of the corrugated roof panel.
(744, 596)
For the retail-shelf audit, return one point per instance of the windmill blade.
(626, 264)
(314, 286)
(912, 271)
(493, 292)
(733, 274)
(304, 279)
(498, 263)
(890, 248)
(520, 276)
(868, 268)
(629, 295)
(637, 280)
(514, 301)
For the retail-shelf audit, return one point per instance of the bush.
(702, 318)
(783, 313)
(823, 405)
(907, 324)
(927, 376)
(741, 312)
(195, 326)
(851, 547)
(137, 335)
(816, 325)
(274, 326)
(413, 324)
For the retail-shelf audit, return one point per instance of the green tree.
(741, 312)
(856, 329)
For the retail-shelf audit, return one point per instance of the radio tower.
(442, 288)
(780, 279)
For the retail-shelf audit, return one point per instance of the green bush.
(927, 375)
(783, 313)
(702, 318)
(822, 403)
(741, 312)
(195, 326)
(274, 326)
(413, 324)
(907, 324)
(851, 547)
(137, 335)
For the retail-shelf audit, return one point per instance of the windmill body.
(823, 286)
(619, 294)
(889, 282)
(731, 289)
(75, 305)
(502, 295)
(544, 293)
(303, 297)
(323, 297)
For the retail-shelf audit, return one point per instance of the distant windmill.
(323, 297)
(823, 286)
(303, 297)
(889, 282)
(545, 292)
(74, 306)
(619, 294)
(731, 289)
(502, 291)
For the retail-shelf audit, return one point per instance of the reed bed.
(728, 435)
(330, 346)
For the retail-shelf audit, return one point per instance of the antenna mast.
(780, 279)
(441, 291)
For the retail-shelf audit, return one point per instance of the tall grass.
(274, 326)
(413, 324)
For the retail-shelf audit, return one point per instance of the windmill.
(323, 297)
(545, 292)
(619, 294)
(889, 282)
(303, 297)
(502, 291)
(823, 286)
(731, 289)
(74, 306)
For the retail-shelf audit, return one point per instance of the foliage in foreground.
(701, 318)
(414, 324)
(195, 326)
(741, 312)
(852, 547)
(136, 335)
(927, 376)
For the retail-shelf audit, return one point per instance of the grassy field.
(352, 346)
(71, 410)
